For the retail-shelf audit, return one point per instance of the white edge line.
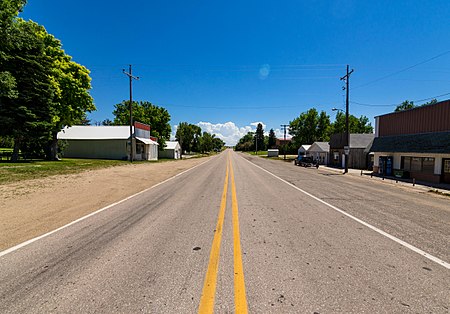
(401, 242)
(21, 245)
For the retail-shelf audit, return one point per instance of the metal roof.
(172, 145)
(413, 143)
(338, 140)
(91, 132)
(319, 147)
(103, 132)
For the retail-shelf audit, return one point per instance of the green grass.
(259, 153)
(263, 153)
(25, 170)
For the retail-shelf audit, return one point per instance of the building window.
(406, 163)
(447, 166)
(428, 165)
(418, 164)
(336, 156)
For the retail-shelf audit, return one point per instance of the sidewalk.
(436, 187)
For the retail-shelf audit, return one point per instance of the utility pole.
(256, 143)
(346, 79)
(284, 126)
(131, 77)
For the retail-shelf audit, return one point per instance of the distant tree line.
(309, 127)
(192, 139)
(406, 105)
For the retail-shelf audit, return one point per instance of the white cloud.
(255, 124)
(280, 133)
(229, 132)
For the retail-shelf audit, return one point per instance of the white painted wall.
(398, 159)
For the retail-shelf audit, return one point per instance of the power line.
(402, 70)
(396, 104)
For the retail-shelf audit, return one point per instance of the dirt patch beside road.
(33, 207)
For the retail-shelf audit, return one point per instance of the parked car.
(304, 161)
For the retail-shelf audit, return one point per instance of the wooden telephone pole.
(131, 77)
(346, 79)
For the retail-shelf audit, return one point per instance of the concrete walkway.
(437, 187)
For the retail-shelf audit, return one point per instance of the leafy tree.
(9, 9)
(431, 102)
(246, 143)
(323, 127)
(41, 88)
(310, 127)
(157, 117)
(406, 105)
(363, 125)
(107, 122)
(218, 144)
(8, 86)
(6, 142)
(23, 56)
(259, 135)
(188, 136)
(206, 142)
(355, 125)
(271, 142)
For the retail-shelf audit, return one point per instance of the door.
(446, 170)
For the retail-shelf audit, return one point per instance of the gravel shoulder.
(33, 207)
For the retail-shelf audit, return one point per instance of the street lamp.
(347, 138)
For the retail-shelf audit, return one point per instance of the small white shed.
(171, 151)
(320, 151)
(272, 152)
(302, 151)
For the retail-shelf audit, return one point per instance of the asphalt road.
(248, 234)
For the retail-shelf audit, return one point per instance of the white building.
(303, 150)
(109, 142)
(320, 151)
(171, 151)
(272, 152)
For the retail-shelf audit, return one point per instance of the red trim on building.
(142, 126)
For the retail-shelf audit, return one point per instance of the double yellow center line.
(209, 286)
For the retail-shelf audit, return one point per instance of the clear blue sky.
(229, 64)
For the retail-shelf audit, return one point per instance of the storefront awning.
(146, 141)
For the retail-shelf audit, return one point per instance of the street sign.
(346, 150)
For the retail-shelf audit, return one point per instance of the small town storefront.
(417, 140)
(420, 166)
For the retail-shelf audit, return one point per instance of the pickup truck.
(305, 161)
